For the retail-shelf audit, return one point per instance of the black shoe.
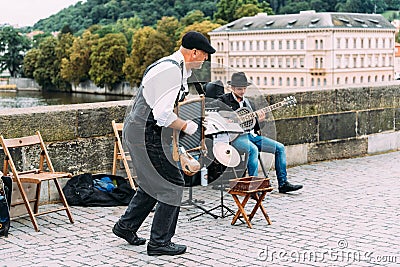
(288, 187)
(168, 249)
(129, 236)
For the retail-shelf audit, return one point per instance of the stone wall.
(325, 124)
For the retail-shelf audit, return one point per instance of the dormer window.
(291, 22)
(230, 25)
(359, 20)
(314, 21)
(344, 20)
(269, 23)
(373, 21)
(247, 25)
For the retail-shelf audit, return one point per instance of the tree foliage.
(107, 58)
(13, 46)
(76, 67)
(148, 45)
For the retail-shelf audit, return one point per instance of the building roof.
(306, 19)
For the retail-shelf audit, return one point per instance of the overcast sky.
(28, 12)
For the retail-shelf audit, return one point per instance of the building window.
(354, 80)
(321, 62)
(362, 43)
(376, 43)
(369, 79)
(346, 80)
(294, 44)
(265, 80)
(294, 81)
(222, 46)
(361, 79)
(250, 62)
(237, 62)
(272, 62)
(265, 62)
(280, 81)
(325, 82)
(383, 78)
(321, 44)
(316, 44)
(369, 43)
(338, 43)
(288, 45)
(280, 45)
(272, 81)
(301, 62)
(316, 63)
(258, 80)
(258, 62)
(288, 81)
(376, 78)
(354, 62)
(362, 62)
(346, 41)
(354, 43)
(287, 62)
(383, 43)
(338, 81)
(280, 62)
(251, 45)
(272, 45)
(265, 45)
(258, 45)
(319, 82)
(312, 82)
(243, 62)
(337, 62)
(301, 81)
(295, 63)
(301, 44)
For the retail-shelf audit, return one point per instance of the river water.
(24, 99)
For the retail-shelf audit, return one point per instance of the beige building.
(306, 50)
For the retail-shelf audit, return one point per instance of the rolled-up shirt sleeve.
(161, 88)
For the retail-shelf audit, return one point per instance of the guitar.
(247, 119)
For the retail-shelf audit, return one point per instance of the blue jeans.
(247, 143)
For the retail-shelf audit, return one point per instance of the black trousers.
(160, 181)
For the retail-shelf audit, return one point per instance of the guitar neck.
(252, 115)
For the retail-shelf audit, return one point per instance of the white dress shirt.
(161, 86)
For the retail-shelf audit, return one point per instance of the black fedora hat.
(239, 80)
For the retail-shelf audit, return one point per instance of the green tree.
(192, 17)
(30, 61)
(45, 67)
(75, 69)
(247, 10)
(170, 26)
(13, 46)
(62, 51)
(107, 58)
(147, 47)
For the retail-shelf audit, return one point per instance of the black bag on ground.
(5, 202)
(86, 190)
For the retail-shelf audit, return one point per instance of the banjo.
(247, 119)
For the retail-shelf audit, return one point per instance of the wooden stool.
(241, 205)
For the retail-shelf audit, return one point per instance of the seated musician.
(251, 142)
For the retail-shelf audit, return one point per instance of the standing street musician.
(251, 142)
(147, 133)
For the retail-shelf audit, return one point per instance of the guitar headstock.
(290, 101)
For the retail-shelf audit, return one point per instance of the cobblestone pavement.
(346, 215)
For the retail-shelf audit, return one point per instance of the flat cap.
(197, 40)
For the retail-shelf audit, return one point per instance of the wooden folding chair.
(35, 176)
(120, 154)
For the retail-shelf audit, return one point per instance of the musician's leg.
(268, 145)
(243, 144)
